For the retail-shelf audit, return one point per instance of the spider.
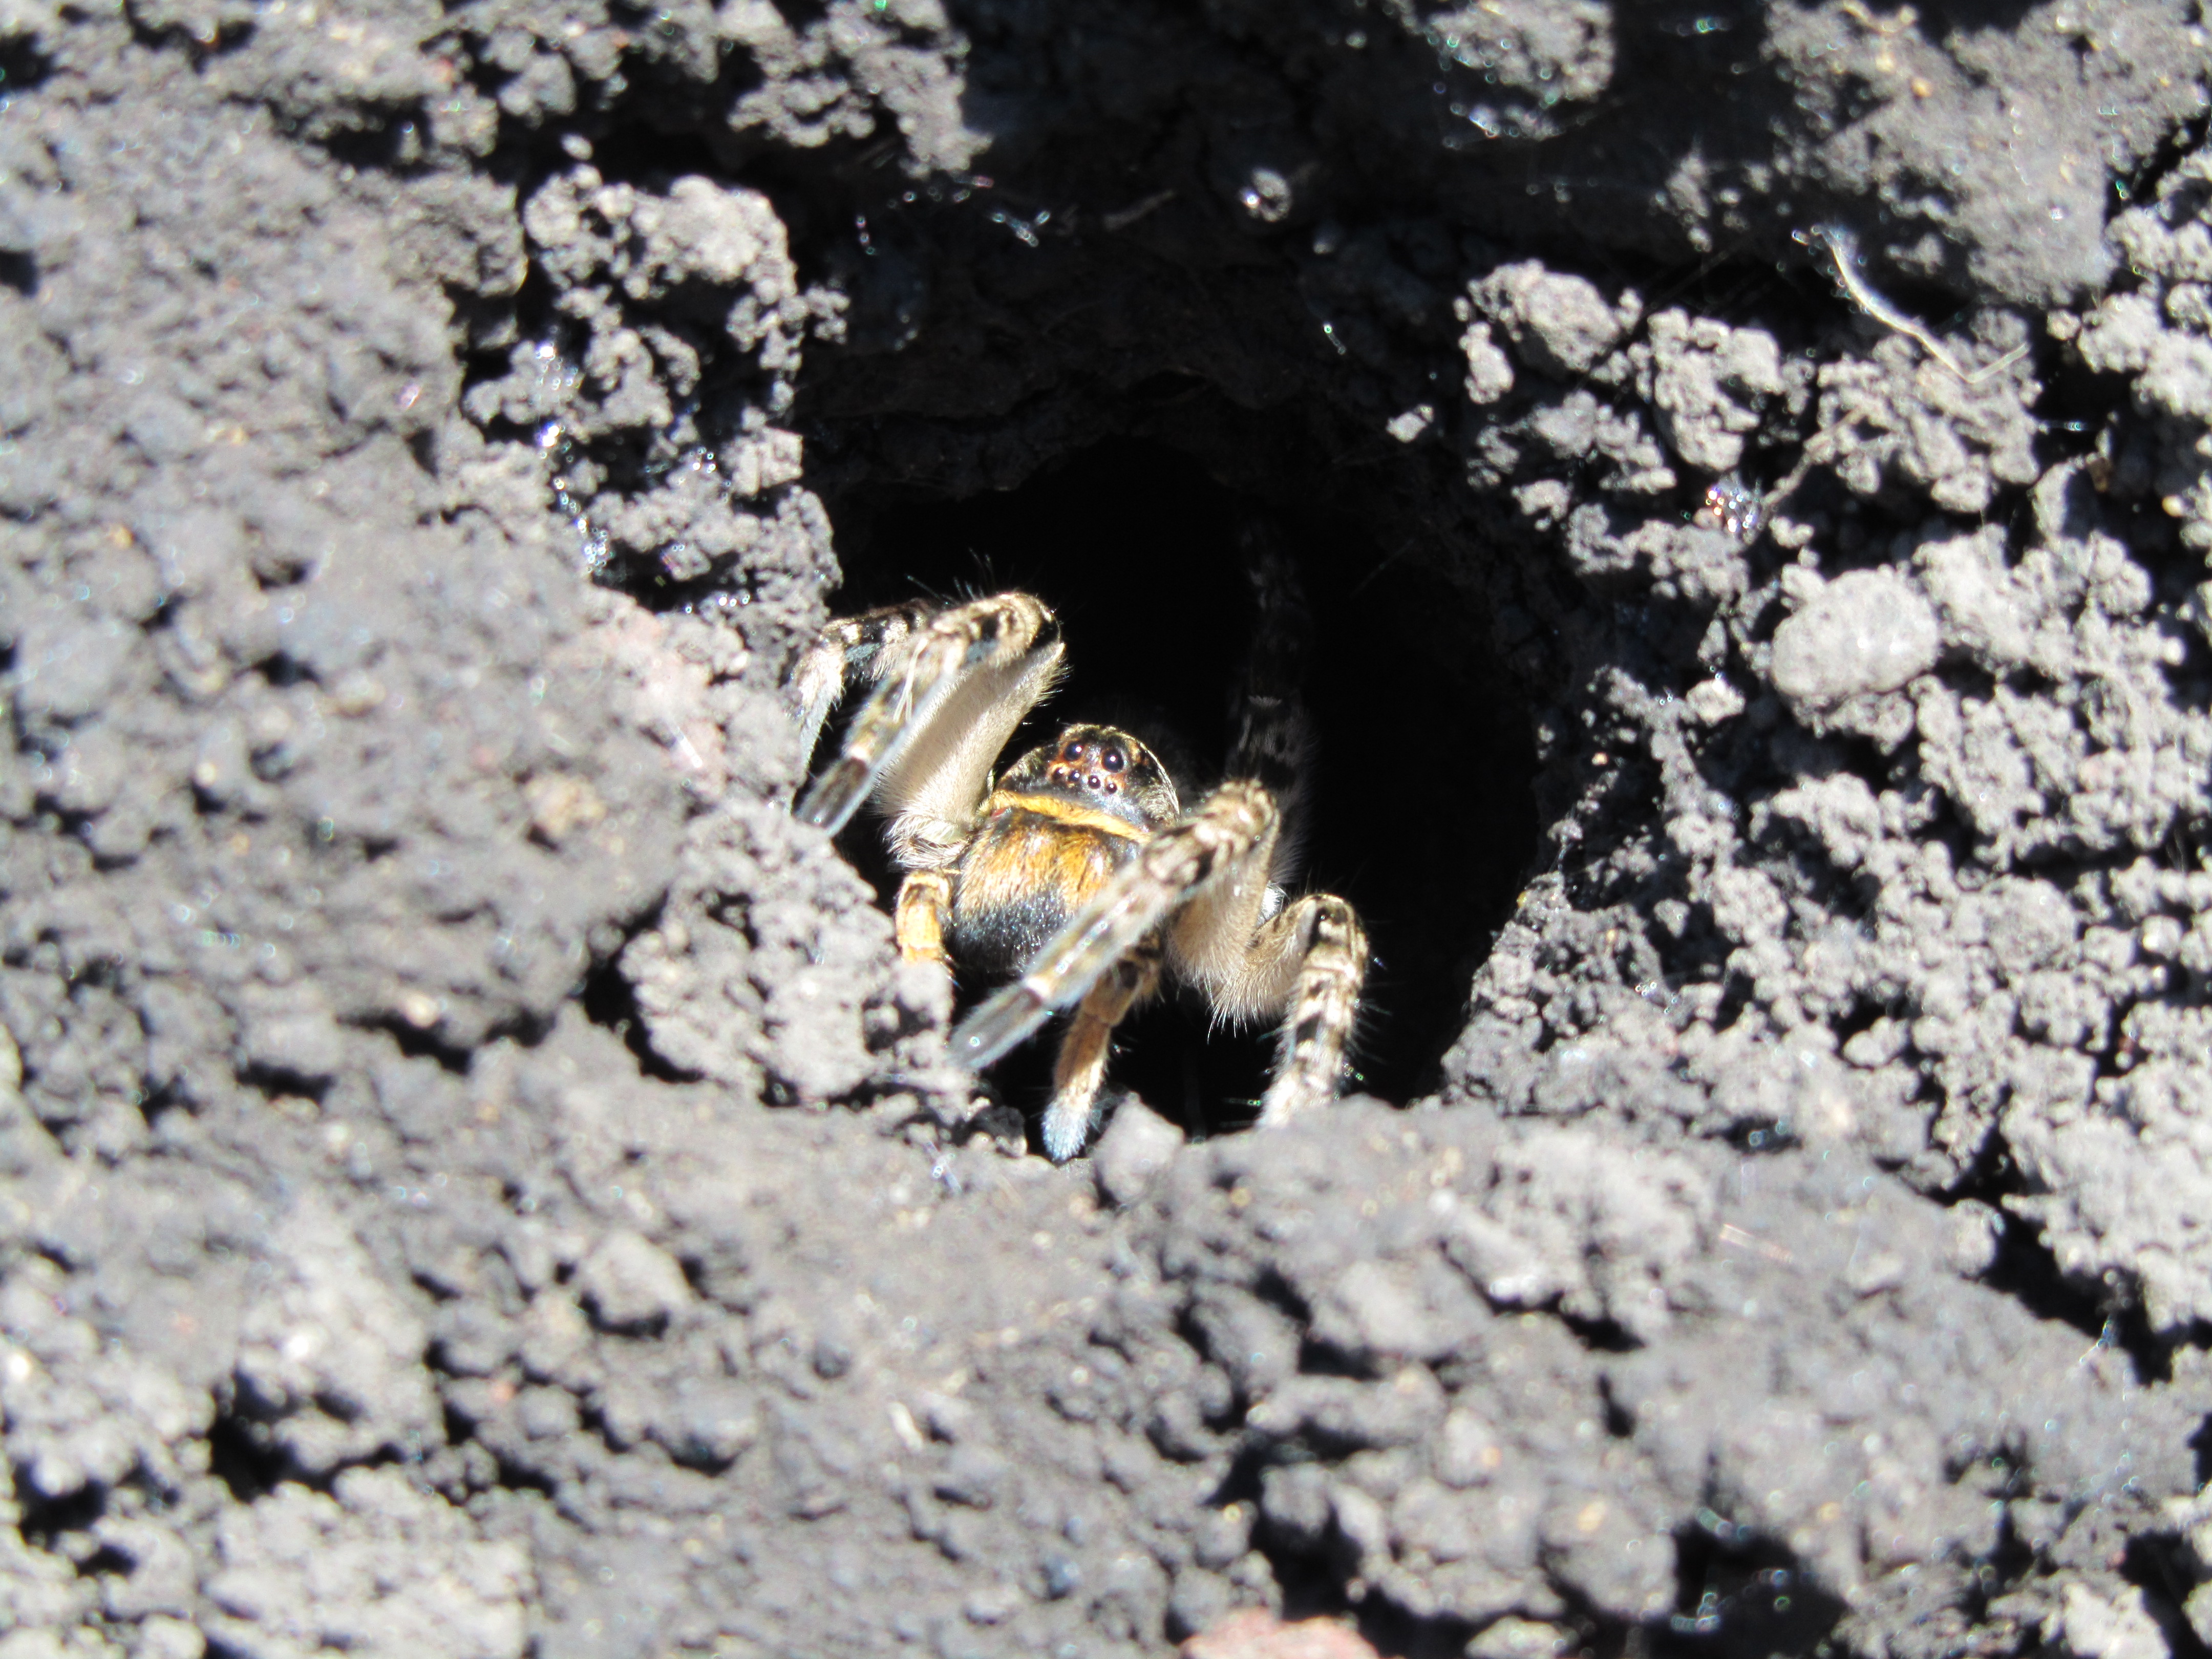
(1078, 869)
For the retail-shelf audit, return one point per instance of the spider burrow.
(1078, 871)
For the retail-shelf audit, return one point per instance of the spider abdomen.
(1031, 864)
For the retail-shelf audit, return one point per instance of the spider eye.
(1112, 759)
(1073, 754)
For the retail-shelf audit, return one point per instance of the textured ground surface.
(474, 1180)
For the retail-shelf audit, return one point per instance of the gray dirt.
(475, 1179)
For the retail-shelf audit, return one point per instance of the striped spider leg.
(952, 683)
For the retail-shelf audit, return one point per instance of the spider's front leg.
(862, 644)
(1181, 862)
(949, 688)
(1305, 963)
(1107, 956)
(1080, 1066)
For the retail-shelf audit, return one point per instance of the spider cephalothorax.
(1078, 869)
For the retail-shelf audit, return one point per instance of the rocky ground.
(474, 1178)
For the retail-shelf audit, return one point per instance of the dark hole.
(2027, 1268)
(1764, 1136)
(105, 1562)
(1739, 1595)
(156, 1102)
(21, 67)
(2159, 1566)
(1134, 546)
(1601, 1335)
(419, 1044)
(44, 1520)
(278, 1081)
(610, 1002)
(2143, 185)
(248, 1468)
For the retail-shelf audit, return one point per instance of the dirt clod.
(475, 1178)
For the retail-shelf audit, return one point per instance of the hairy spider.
(1078, 869)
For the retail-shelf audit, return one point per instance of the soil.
(475, 1179)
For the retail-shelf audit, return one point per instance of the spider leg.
(1304, 964)
(865, 643)
(1323, 937)
(1271, 734)
(1080, 1066)
(1214, 844)
(948, 695)
(924, 901)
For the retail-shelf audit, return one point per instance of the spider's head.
(1101, 766)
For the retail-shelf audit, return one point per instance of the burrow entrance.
(1420, 813)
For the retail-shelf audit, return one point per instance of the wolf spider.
(1078, 869)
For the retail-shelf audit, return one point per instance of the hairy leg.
(948, 694)
(1271, 734)
(925, 899)
(1323, 1004)
(1305, 963)
(850, 645)
(1080, 1066)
